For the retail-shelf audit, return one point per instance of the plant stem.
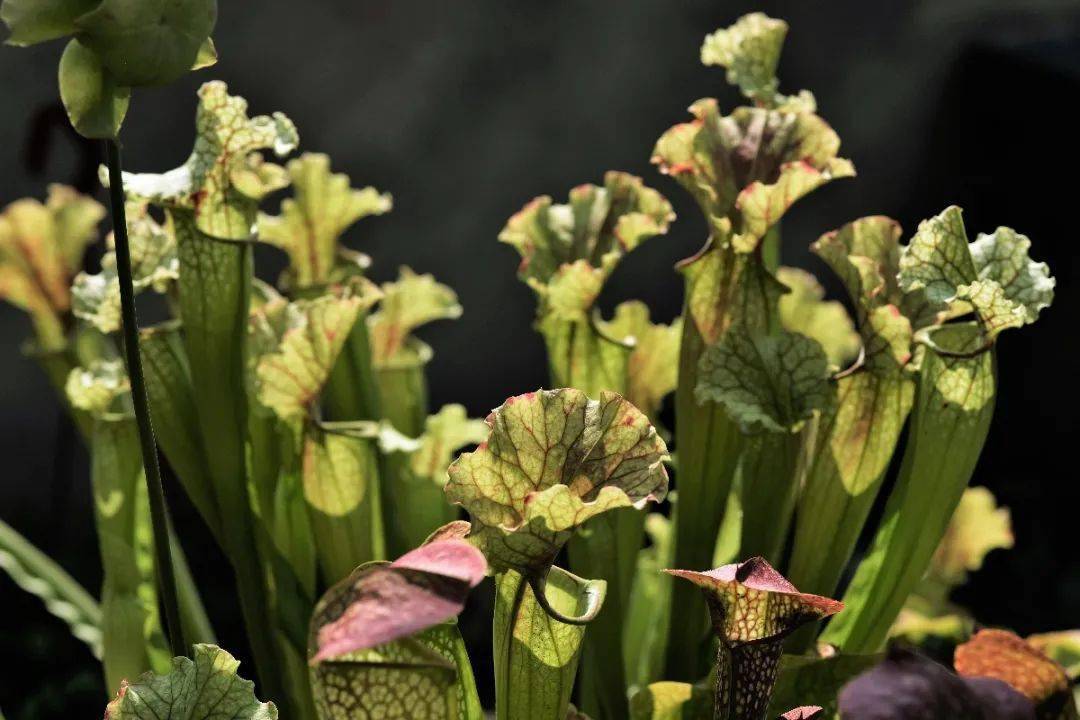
(159, 514)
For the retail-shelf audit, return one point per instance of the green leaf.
(536, 656)
(37, 574)
(292, 377)
(341, 486)
(816, 680)
(176, 419)
(568, 251)
(96, 105)
(856, 440)
(653, 366)
(738, 167)
(993, 276)
(214, 297)
(804, 310)
(649, 613)
(155, 264)
(407, 304)
(605, 549)
(35, 21)
(766, 382)
(147, 42)
(672, 701)
(750, 50)
(201, 688)
(311, 224)
(1062, 646)
(753, 608)
(583, 355)
(415, 503)
(768, 482)
(225, 178)
(977, 526)
(953, 407)
(553, 460)
(41, 249)
(97, 388)
(131, 633)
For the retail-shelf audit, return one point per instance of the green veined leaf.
(132, 638)
(155, 264)
(553, 460)
(292, 377)
(41, 249)
(568, 251)
(536, 656)
(849, 460)
(846, 471)
(953, 407)
(750, 50)
(35, 21)
(415, 502)
(410, 302)
(993, 276)
(738, 167)
(176, 421)
(201, 688)
(150, 42)
(36, 573)
(341, 486)
(804, 310)
(311, 224)
(649, 614)
(771, 382)
(653, 366)
(96, 105)
(223, 181)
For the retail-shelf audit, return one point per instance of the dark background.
(465, 110)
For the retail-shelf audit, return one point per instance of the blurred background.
(465, 110)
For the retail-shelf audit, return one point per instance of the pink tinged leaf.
(419, 590)
(807, 712)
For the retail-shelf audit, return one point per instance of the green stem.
(155, 491)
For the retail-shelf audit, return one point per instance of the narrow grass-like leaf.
(36, 573)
